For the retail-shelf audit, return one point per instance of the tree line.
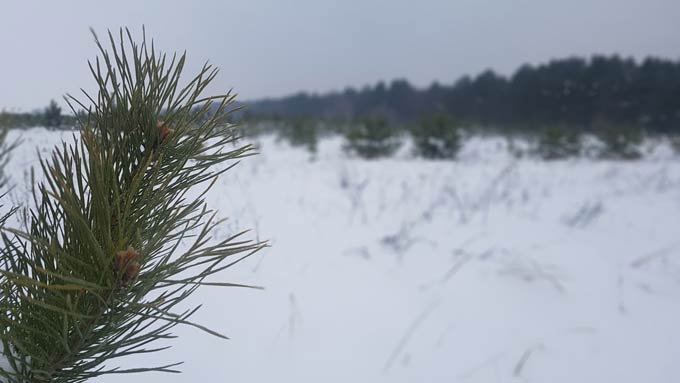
(50, 117)
(573, 91)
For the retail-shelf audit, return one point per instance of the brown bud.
(131, 272)
(164, 130)
(124, 257)
(127, 265)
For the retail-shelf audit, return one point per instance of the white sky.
(276, 47)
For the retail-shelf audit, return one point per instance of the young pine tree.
(621, 141)
(372, 138)
(120, 234)
(557, 142)
(52, 115)
(302, 132)
(438, 137)
(675, 143)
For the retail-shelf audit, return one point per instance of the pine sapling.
(120, 233)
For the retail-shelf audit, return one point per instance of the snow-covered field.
(487, 269)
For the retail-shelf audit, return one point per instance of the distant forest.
(573, 91)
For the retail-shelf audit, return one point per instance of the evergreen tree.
(675, 144)
(100, 270)
(620, 141)
(302, 132)
(437, 137)
(372, 138)
(52, 115)
(558, 142)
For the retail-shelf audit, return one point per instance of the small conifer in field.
(558, 142)
(301, 132)
(371, 138)
(52, 115)
(438, 137)
(621, 141)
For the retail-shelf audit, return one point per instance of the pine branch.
(104, 263)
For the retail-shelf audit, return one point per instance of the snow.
(486, 269)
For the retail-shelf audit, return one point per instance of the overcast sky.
(277, 47)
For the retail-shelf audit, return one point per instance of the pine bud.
(124, 257)
(126, 262)
(165, 131)
(131, 273)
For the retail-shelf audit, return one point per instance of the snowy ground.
(488, 269)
